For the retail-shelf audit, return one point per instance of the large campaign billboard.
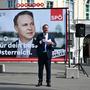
(56, 19)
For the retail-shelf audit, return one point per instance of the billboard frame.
(65, 59)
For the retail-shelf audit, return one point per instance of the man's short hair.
(22, 13)
(44, 26)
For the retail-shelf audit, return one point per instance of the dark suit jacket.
(41, 45)
(12, 47)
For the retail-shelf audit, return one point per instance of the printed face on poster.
(10, 33)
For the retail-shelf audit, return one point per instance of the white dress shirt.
(46, 38)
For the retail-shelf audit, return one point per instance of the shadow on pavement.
(21, 88)
(6, 83)
(19, 73)
(13, 86)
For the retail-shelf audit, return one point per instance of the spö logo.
(56, 15)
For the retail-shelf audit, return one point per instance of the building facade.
(8, 3)
(79, 11)
(82, 15)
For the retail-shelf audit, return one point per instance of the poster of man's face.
(23, 25)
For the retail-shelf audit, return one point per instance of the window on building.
(30, 1)
(71, 55)
(69, 0)
(88, 9)
(71, 40)
(70, 4)
(49, 4)
(87, 16)
(71, 11)
(11, 3)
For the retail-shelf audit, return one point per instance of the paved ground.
(23, 76)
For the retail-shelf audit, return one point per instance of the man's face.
(45, 29)
(25, 28)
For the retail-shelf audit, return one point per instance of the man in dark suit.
(45, 44)
(24, 46)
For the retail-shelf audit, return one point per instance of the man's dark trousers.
(44, 60)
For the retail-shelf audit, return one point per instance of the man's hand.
(49, 42)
